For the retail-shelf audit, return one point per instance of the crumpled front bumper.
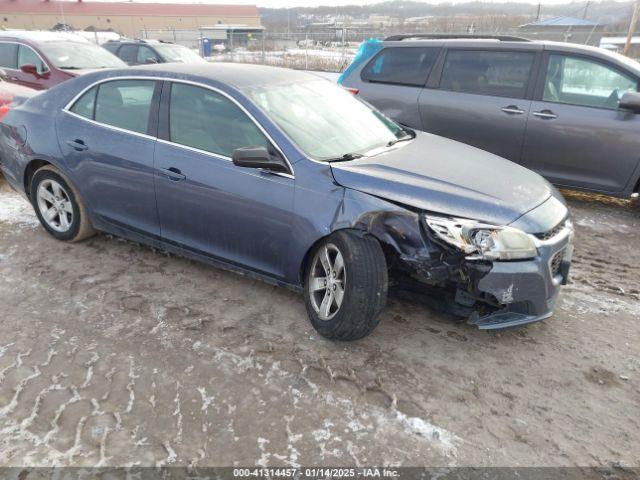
(527, 291)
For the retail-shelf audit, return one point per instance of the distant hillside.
(607, 12)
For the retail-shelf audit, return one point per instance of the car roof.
(521, 45)
(37, 36)
(234, 74)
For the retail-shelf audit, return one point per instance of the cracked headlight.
(489, 241)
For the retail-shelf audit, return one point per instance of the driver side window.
(26, 56)
(203, 119)
(578, 81)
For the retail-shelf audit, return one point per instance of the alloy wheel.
(327, 280)
(55, 206)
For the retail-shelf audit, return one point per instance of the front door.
(107, 139)
(481, 100)
(576, 134)
(207, 204)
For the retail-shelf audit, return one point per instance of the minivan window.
(401, 65)
(324, 120)
(501, 74)
(203, 119)
(26, 56)
(9, 55)
(125, 104)
(579, 81)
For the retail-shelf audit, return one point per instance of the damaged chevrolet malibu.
(286, 177)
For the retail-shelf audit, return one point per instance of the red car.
(41, 60)
(12, 95)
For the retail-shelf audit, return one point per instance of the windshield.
(325, 121)
(178, 53)
(76, 56)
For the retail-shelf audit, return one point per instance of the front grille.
(556, 262)
(550, 233)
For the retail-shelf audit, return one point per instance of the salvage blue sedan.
(284, 176)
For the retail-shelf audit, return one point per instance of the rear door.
(108, 138)
(393, 79)
(482, 98)
(576, 134)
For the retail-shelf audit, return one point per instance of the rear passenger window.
(401, 65)
(501, 74)
(206, 120)
(9, 55)
(125, 104)
(84, 105)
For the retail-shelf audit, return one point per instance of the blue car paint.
(252, 221)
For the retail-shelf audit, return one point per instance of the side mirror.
(630, 101)
(29, 68)
(258, 157)
(3, 74)
(151, 61)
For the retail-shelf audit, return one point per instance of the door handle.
(77, 144)
(173, 173)
(545, 114)
(512, 110)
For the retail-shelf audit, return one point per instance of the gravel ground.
(114, 354)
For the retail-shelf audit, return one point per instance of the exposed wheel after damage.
(346, 285)
(59, 206)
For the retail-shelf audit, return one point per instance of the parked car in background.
(569, 112)
(140, 52)
(41, 60)
(285, 176)
(12, 95)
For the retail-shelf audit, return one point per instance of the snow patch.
(15, 209)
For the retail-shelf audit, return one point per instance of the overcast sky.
(313, 3)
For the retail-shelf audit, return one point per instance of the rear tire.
(59, 206)
(345, 286)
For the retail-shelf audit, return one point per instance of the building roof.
(562, 22)
(125, 8)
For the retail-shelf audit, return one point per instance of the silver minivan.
(569, 112)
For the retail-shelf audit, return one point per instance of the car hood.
(439, 175)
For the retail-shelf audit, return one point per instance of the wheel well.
(390, 253)
(32, 168)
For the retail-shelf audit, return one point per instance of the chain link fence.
(331, 50)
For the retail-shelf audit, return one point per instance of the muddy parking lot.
(114, 354)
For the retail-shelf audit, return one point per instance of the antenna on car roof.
(452, 36)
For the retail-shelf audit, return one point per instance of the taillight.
(355, 91)
(4, 109)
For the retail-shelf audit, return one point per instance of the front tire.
(58, 206)
(346, 285)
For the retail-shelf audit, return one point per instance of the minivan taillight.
(355, 91)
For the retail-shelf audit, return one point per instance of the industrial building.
(129, 19)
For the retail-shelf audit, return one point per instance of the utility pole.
(632, 27)
(538, 14)
(586, 7)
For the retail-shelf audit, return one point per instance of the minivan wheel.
(346, 285)
(58, 206)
